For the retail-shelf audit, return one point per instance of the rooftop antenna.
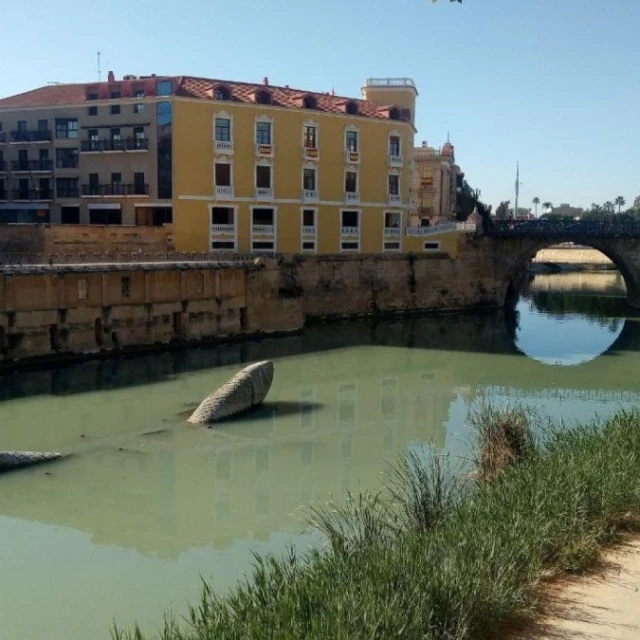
(448, 136)
(99, 72)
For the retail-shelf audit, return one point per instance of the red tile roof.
(202, 88)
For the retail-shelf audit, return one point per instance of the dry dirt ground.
(604, 605)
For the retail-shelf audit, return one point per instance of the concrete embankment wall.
(61, 311)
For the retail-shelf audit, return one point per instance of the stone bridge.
(513, 245)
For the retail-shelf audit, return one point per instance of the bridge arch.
(520, 256)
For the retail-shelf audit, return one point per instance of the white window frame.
(430, 250)
(393, 163)
(351, 238)
(227, 116)
(213, 206)
(314, 167)
(308, 237)
(310, 123)
(394, 238)
(264, 162)
(352, 128)
(275, 228)
(351, 169)
(394, 199)
(263, 119)
(228, 161)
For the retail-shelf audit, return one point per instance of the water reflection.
(146, 490)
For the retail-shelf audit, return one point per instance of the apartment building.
(232, 166)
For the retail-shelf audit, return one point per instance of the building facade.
(435, 181)
(226, 166)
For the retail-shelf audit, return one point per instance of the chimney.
(265, 81)
(111, 77)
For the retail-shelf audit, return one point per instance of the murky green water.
(147, 504)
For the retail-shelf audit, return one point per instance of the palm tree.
(536, 202)
(547, 205)
(620, 201)
(608, 207)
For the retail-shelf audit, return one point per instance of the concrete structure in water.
(228, 166)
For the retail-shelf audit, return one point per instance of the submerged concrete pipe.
(10, 460)
(246, 389)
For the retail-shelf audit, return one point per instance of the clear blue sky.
(552, 83)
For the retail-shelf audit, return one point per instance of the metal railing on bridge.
(564, 229)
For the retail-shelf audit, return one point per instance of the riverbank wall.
(66, 311)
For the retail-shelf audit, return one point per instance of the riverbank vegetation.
(441, 553)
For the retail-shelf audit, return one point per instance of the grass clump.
(435, 556)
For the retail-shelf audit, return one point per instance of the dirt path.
(603, 606)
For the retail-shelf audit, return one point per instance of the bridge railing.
(610, 229)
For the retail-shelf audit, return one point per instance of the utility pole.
(515, 209)
(99, 70)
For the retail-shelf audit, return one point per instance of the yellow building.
(259, 168)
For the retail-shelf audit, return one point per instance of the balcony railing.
(351, 197)
(226, 229)
(37, 135)
(395, 198)
(31, 165)
(264, 193)
(224, 191)
(389, 82)
(263, 229)
(119, 144)
(309, 195)
(440, 228)
(308, 230)
(425, 152)
(67, 163)
(395, 161)
(223, 146)
(392, 231)
(32, 194)
(349, 231)
(115, 189)
(67, 193)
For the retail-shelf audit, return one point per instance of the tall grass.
(434, 556)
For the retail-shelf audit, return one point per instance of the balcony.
(224, 191)
(35, 135)
(223, 146)
(264, 150)
(118, 144)
(67, 163)
(389, 82)
(223, 229)
(310, 153)
(352, 157)
(264, 193)
(263, 230)
(395, 161)
(32, 194)
(115, 189)
(394, 198)
(310, 195)
(391, 232)
(31, 166)
(308, 230)
(349, 231)
(351, 197)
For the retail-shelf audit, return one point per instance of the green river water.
(146, 505)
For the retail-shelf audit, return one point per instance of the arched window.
(263, 97)
(309, 102)
(351, 108)
(222, 92)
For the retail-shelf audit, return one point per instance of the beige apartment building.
(436, 178)
(87, 153)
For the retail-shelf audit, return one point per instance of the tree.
(620, 202)
(547, 205)
(502, 210)
(609, 207)
(636, 204)
(536, 202)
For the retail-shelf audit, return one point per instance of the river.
(147, 504)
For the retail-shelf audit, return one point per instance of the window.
(223, 129)
(308, 218)
(92, 95)
(222, 215)
(351, 141)
(139, 138)
(44, 189)
(23, 189)
(3, 193)
(139, 184)
(223, 174)
(223, 245)
(23, 160)
(309, 245)
(351, 182)
(105, 216)
(114, 95)
(263, 132)
(263, 97)
(309, 179)
(309, 102)
(394, 184)
(222, 93)
(138, 93)
(114, 109)
(351, 108)
(125, 286)
(263, 176)
(69, 215)
(22, 126)
(350, 219)
(392, 220)
(92, 111)
(431, 246)
(310, 136)
(394, 114)
(263, 216)
(115, 134)
(94, 184)
(116, 178)
(43, 125)
(67, 187)
(394, 146)
(43, 160)
(392, 246)
(67, 128)
(163, 88)
(138, 107)
(93, 134)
